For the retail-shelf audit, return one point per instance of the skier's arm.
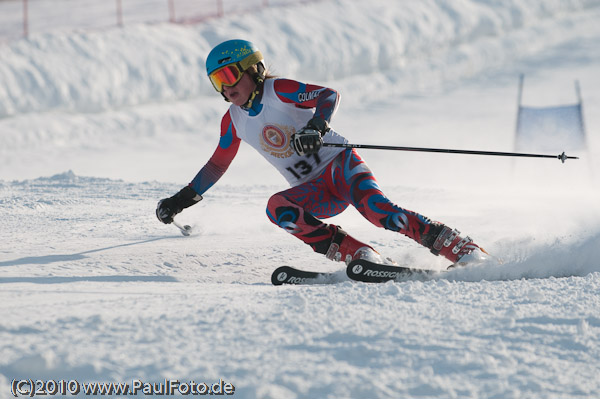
(207, 176)
(323, 99)
(221, 159)
(308, 140)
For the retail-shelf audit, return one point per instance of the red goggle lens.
(227, 76)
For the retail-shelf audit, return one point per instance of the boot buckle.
(461, 244)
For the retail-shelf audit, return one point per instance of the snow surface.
(97, 126)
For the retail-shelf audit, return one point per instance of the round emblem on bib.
(274, 137)
(276, 141)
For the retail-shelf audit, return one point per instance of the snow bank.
(66, 100)
(99, 70)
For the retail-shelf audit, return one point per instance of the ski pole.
(563, 157)
(185, 230)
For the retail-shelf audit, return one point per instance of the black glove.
(309, 139)
(169, 207)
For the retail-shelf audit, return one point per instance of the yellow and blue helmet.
(227, 62)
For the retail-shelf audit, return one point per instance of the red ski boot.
(346, 248)
(442, 240)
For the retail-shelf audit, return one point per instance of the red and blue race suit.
(323, 184)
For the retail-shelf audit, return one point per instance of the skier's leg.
(355, 182)
(285, 211)
(296, 211)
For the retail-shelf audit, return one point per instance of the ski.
(369, 272)
(290, 275)
(358, 270)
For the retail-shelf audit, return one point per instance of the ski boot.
(346, 248)
(442, 240)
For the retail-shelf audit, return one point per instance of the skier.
(287, 122)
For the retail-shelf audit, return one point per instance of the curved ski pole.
(563, 157)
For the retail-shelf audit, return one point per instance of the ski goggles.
(230, 75)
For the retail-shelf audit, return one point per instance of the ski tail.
(291, 275)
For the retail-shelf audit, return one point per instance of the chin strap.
(259, 79)
(253, 95)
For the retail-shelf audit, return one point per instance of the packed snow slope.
(96, 126)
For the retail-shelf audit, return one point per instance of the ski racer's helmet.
(227, 62)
